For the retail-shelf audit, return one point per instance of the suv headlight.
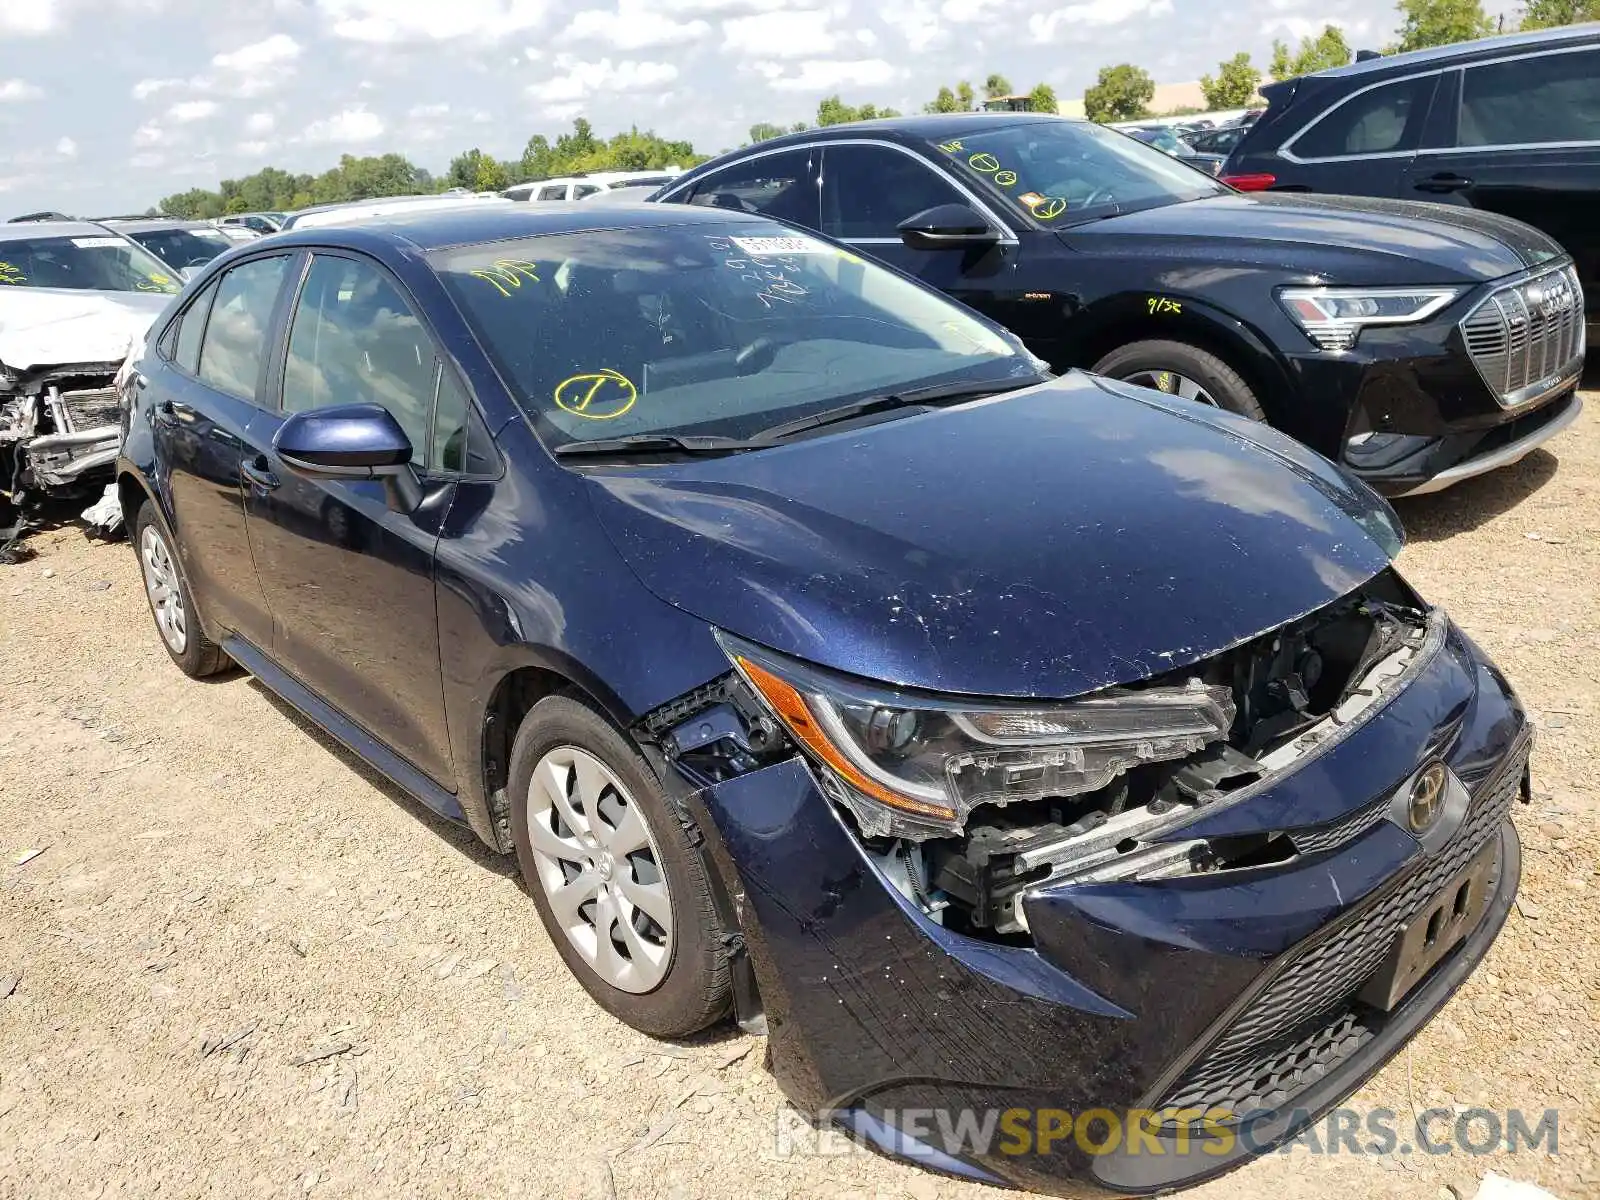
(914, 766)
(1333, 318)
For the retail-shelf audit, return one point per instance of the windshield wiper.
(911, 398)
(655, 443)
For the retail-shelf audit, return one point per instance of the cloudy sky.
(108, 105)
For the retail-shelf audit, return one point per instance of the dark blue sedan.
(1054, 768)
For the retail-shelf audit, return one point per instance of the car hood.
(1044, 543)
(1346, 239)
(51, 327)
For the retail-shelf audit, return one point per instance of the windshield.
(183, 248)
(708, 328)
(1064, 172)
(87, 262)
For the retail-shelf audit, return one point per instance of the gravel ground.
(249, 967)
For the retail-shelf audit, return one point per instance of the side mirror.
(947, 227)
(351, 441)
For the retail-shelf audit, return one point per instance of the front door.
(349, 579)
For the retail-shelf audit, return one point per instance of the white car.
(388, 206)
(576, 187)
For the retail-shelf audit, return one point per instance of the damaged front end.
(1189, 892)
(60, 429)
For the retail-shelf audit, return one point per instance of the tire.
(162, 573)
(1145, 362)
(669, 979)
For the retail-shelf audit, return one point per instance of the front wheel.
(1180, 369)
(620, 885)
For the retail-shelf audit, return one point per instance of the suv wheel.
(171, 603)
(619, 884)
(1180, 369)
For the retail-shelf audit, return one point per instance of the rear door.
(1363, 144)
(348, 579)
(1523, 140)
(208, 391)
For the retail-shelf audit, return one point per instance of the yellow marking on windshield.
(157, 283)
(596, 395)
(1005, 178)
(987, 163)
(506, 275)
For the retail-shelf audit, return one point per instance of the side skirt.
(376, 755)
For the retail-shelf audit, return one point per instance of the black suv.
(1507, 124)
(1414, 346)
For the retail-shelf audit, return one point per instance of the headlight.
(915, 766)
(1334, 317)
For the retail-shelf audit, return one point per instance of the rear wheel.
(620, 885)
(1180, 369)
(171, 603)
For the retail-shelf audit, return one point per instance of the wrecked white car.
(74, 299)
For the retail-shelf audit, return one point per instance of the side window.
(557, 191)
(1550, 98)
(779, 185)
(460, 442)
(186, 351)
(584, 189)
(868, 190)
(1387, 118)
(241, 316)
(355, 340)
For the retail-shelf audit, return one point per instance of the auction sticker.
(94, 243)
(768, 246)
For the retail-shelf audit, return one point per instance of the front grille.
(1527, 336)
(92, 408)
(1305, 1020)
(1314, 839)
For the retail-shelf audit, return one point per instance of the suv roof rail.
(1367, 55)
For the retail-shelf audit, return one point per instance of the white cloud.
(188, 111)
(274, 51)
(1304, 27)
(419, 112)
(345, 128)
(258, 123)
(429, 20)
(146, 88)
(1042, 26)
(18, 89)
(779, 34)
(918, 23)
(971, 12)
(23, 17)
(149, 134)
(67, 148)
(575, 79)
(825, 75)
(633, 26)
(252, 149)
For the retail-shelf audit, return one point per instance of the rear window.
(706, 328)
(1382, 120)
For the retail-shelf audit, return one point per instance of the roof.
(439, 228)
(155, 224)
(44, 229)
(1489, 47)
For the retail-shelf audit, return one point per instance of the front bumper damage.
(1245, 993)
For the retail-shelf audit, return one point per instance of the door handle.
(258, 474)
(1442, 183)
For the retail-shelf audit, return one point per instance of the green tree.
(538, 159)
(834, 111)
(1441, 22)
(763, 131)
(1327, 49)
(966, 97)
(1043, 99)
(1120, 93)
(1234, 84)
(944, 102)
(477, 171)
(996, 85)
(1547, 14)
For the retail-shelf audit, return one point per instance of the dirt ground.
(244, 966)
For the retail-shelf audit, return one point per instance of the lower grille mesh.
(1304, 1022)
